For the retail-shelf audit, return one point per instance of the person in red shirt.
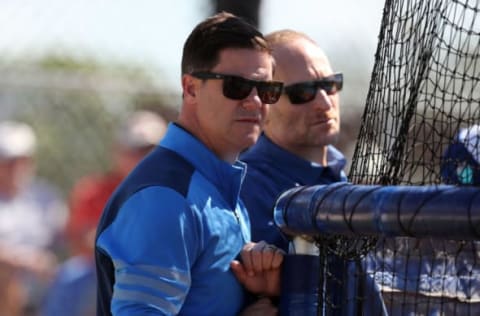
(135, 138)
(73, 290)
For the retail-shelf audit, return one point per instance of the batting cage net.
(424, 89)
(403, 237)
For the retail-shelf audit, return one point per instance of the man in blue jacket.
(170, 232)
(296, 147)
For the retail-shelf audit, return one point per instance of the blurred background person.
(461, 160)
(73, 291)
(32, 217)
(137, 135)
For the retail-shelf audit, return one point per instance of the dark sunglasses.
(304, 92)
(238, 88)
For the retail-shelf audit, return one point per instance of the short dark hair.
(223, 30)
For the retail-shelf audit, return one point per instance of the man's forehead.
(300, 69)
(245, 62)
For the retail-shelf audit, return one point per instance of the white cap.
(16, 140)
(470, 138)
(142, 129)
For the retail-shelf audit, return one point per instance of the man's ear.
(189, 86)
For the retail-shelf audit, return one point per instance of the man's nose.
(252, 101)
(322, 100)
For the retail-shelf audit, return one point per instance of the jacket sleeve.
(153, 244)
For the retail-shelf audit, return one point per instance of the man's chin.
(326, 140)
(250, 140)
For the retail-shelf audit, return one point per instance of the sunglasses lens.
(301, 93)
(269, 92)
(328, 86)
(332, 84)
(304, 92)
(236, 88)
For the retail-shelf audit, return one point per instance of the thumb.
(239, 271)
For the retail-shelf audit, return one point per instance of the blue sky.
(152, 32)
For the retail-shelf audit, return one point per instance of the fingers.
(259, 269)
(247, 258)
(259, 257)
(272, 257)
(277, 258)
(268, 254)
(239, 271)
(252, 257)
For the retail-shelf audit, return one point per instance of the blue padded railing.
(328, 284)
(347, 209)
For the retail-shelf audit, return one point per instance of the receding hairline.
(285, 36)
(284, 45)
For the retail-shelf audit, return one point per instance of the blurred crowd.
(46, 241)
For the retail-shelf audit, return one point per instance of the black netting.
(424, 89)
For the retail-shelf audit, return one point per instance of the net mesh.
(424, 89)
(424, 92)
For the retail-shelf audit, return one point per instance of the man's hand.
(259, 269)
